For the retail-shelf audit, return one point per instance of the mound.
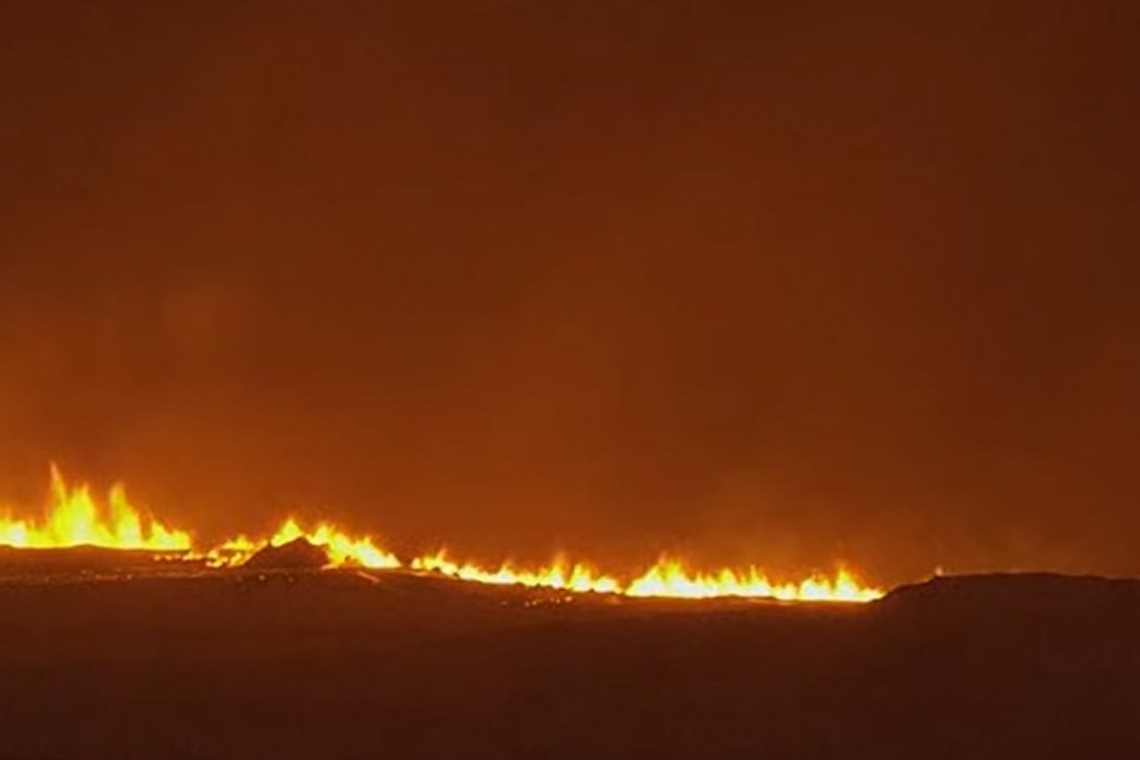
(298, 554)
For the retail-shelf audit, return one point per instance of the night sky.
(759, 282)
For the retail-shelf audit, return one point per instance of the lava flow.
(74, 518)
(557, 575)
(669, 577)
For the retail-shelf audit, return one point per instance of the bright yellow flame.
(667, 578)
(74, 518)
(670, 578)
(341, 548)
(558, 575)
(230, 553)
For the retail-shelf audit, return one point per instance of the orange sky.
(760, 284)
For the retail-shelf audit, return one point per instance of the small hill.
(298, 554)
(1015, 591)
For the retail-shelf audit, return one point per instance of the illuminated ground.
(103, 658)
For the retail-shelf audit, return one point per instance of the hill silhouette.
(297, 554)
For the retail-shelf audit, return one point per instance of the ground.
(124, 663)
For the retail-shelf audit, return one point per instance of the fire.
(669, 577)
(341, 548)
(75, 518)
(558, 575)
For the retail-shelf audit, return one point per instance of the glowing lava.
(341, 548)
(558, 575)
(669, 577)
(74, 518)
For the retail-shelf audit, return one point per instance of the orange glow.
(341, 548)
(74, 518)
(557, 575)
(670, 578)
(232, 552)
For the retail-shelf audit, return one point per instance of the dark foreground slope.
(341, 665)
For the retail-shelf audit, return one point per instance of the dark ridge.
(1020, 590)
(77, 558)
(298, 554)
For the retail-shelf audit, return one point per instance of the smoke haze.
(752, 282)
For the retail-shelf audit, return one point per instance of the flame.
(232, 552)
(667, 578)
(74, 518)
(341, 548)
(670, 578)
(558, 575)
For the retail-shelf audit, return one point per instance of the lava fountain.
(73, 518)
